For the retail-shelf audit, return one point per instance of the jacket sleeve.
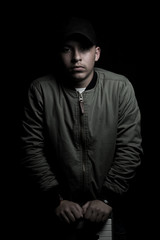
(128, 150)
(34, 159)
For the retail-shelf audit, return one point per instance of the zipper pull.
(81, 103)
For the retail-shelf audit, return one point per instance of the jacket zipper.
(81, 104)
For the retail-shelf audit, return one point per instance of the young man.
(81, 136)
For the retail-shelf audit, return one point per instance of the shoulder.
(113, 81)
(115, 84)
(43, 83)
(110, 76)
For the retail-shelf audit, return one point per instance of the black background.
(124, 36)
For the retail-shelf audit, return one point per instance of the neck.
(83, 83)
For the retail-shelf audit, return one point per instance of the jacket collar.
(92, 82)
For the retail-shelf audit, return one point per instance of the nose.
(76, 56)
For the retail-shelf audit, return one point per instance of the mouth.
(77, 68)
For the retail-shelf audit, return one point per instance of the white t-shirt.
(80, 90)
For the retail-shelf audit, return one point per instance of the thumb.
(84, 207)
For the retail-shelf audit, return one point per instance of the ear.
(97, 53)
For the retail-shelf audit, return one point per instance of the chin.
(78, 77)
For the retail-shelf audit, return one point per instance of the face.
(79, 60)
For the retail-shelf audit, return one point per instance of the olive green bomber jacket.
(84, 145)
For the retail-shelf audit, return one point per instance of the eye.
(66, 49)
(84, 47)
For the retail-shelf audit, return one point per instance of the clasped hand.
(94, 211)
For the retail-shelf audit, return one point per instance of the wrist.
(57, 200)
(105, 201)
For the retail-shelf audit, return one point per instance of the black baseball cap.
(78, 27)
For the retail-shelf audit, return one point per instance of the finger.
(79, 209)
(69, 215)
(92, 216)
(85, 206)
(88, 214)
(104, 218)
(63, 217)
(101, 217)
(77, 213)
(74, 212)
